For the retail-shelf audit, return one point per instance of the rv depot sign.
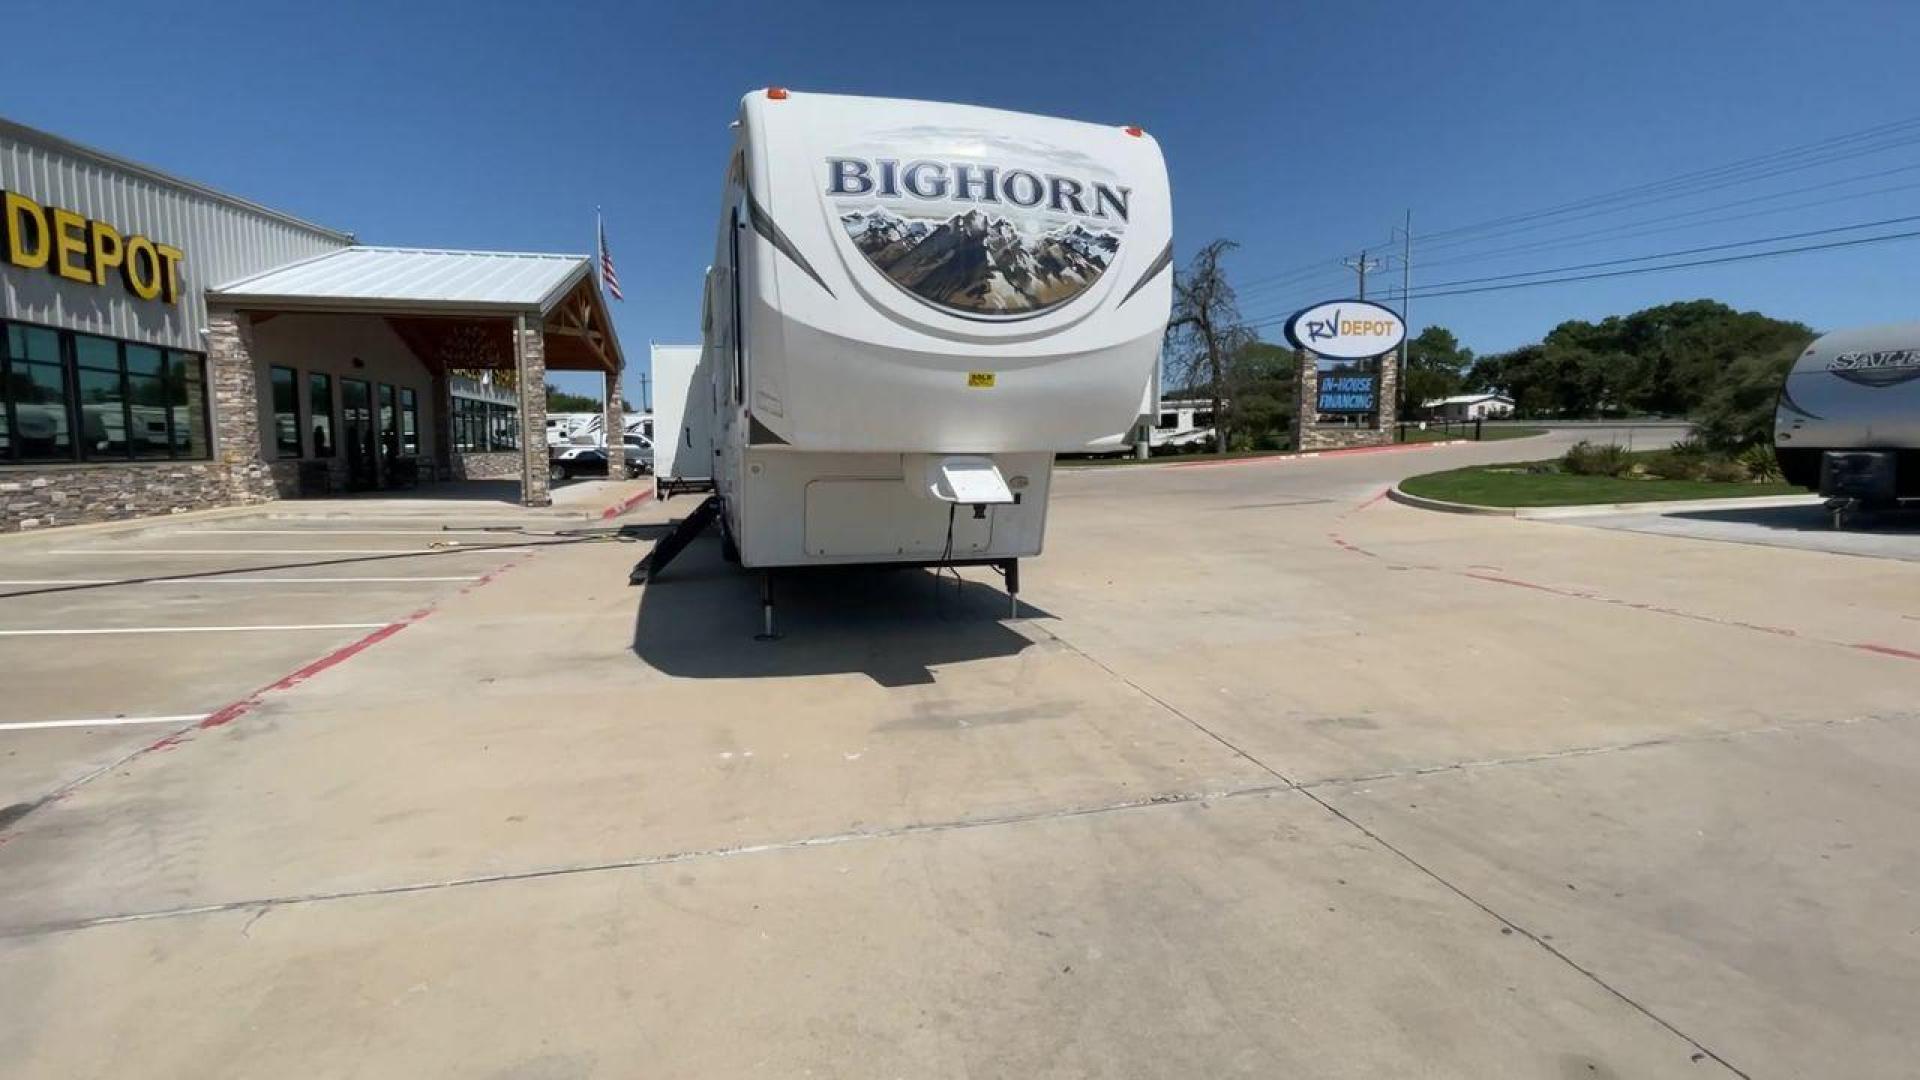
(1346, 330)
(85, 250)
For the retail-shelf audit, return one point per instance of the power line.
(1761, 167)
(1631, 229)
(1683, 251)
(1768, 165)
(1831, 245)
(1669, 254)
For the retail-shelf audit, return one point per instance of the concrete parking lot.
(1802, 523)
(1273, 778)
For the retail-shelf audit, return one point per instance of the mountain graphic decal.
(978, 263)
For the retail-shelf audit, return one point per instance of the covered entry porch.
(348, 366)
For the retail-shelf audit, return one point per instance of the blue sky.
(1302, 130)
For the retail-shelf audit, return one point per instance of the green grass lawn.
(1512, 485)
(1487, 434)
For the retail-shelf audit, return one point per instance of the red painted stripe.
(1887, 650)
(625, 505)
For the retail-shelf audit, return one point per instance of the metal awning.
(414, 284)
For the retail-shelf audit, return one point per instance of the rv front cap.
(970, 181)
(87, 250)
(1346, 330)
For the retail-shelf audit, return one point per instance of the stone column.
(236, 408)
(441, 446)
(1389, 395)
(530, 363)
(616, 425)
(1307, 394)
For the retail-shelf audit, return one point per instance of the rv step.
(668, 547)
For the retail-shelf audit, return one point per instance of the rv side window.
(733, 277)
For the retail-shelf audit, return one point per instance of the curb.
(1751, 502)
(625, 505)
(1578, 510)
(1394, 494)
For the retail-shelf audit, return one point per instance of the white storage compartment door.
(881, 518)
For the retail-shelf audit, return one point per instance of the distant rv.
(912, 308)
(1848, 420)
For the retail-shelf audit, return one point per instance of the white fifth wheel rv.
(912, 307)
(1848, 420)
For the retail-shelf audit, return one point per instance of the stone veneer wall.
(71, 494)
(530, 360)
(1309, 434)
(491, 465)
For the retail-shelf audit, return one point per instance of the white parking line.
(236, 580)
(190, 629)
(458, 549)
(111, 721)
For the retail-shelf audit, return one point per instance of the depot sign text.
(87, 251)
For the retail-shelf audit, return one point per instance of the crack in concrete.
(265, 904)
(1306, 790)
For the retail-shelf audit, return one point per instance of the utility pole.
(1362, 266)
(1406, 302)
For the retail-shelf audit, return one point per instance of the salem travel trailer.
(912, 308)
(1848, 420)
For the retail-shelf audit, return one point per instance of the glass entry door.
(357, 434)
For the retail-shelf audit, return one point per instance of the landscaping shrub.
(1674, 464)
(1691, 446)
(1760, 465)
(1586, 459)
(1723, 470)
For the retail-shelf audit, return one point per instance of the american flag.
(608, 278)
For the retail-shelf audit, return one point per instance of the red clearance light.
(1133, 131)
(776, 93)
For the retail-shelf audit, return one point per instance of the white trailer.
(682, 421)
(1847, 422)
(912, 308)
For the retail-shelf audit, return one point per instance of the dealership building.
(169, 347)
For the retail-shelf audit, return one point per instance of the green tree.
(1436, 367)
(559, 400)
(1260, 395)
(1738, 413)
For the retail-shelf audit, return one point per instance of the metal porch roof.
(412, 279)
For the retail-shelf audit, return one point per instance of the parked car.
(639, 456)
(568, 462)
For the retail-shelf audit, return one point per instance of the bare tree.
(1205, 332)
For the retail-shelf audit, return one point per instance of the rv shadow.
(1805, 518)
(893, 625)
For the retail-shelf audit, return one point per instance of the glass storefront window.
(409, 421)
(483, 426)
(103, 403)
(149, 428)
(37, 396)
(286, 412)
(66, 396)
(320, 414)
(389, 425)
